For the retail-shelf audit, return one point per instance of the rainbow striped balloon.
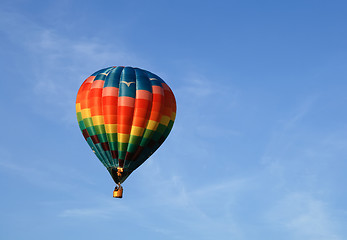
(125, 114)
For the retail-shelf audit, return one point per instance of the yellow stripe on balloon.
(98, 120)
(173, 116)
(137, 131)
(111, 128)
(152, 125)
(165, 120)
(123, 138)
(86, 113)
(78, 107)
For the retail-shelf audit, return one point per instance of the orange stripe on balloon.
(126, 101)
(155, 116)
(139, 122)
(80, 92)
(166, 111)
(125, 129)
(165, 86)
(156, 107)
(90, 79)
(157, 98)
(157, 103)
(124, 120)
(110, 91)
(125, 111)
(142, 103)
(98, 84)
(110, 100)
(157, 90)
(95, 92)
(143, 94)
(110, 119)
(140, 112)
(109, 109)
(84, 95)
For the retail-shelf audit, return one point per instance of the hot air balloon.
(125, 114)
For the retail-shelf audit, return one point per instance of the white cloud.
(104, 208)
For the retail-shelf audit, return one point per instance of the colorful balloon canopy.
(125, 114)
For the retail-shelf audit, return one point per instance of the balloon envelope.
(125, 114)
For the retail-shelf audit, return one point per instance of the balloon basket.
(118, 192)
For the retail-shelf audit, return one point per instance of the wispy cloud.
(43, 174)
(206, 90)
(283, 140)
(300, 164)
(170, 199)
(104, 208)
(56, 65)
(304, 217)
(201, 100)
(193, 208)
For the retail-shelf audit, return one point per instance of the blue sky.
(258, 149)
